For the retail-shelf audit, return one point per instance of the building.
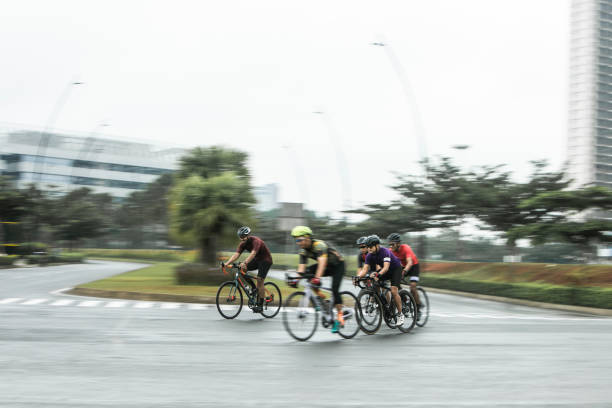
(266, 196)
(58, 163)
(589, 154)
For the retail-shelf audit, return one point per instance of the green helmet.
(300, 230)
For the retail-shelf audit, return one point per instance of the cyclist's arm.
(233, 258)
(408, 263)
(321, 265)
(251, 256)
(301, 268)
(385, 268)
(364, 270)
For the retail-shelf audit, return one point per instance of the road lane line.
(116, 303)
(63, 302)
(170, 305)
(143, 305)
(34, 301)
(89, 303)
(10, 300)
(198, 306)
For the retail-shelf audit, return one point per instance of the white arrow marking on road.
(62, 302)
(34, 301)
(10, 300)
(116, 303)
(89, 303)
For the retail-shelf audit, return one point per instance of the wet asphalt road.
(65, 351)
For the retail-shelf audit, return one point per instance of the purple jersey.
(379, 258)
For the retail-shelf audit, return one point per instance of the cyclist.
(329, 263)
(391, 269)
(259, 258)
(363, 252)
(410, 263)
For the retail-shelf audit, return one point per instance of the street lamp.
(43, 142)
(408, 94)
(336, 140)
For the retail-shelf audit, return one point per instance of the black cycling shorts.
(393, 274)
(413, 272)
(262, 268)
(336, 271)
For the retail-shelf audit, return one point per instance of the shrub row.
(61, 258)
(567, 295)
(8, 260)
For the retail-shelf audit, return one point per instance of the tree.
(207, 210)
(566, 216)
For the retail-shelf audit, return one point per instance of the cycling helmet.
(394, 237)
(301, 230)
(361, 240)
(243, 232)
(372, 240)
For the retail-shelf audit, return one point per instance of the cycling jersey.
(262, 253)
(403, 252)
(361, 260)
(320, 248)
(380, 257)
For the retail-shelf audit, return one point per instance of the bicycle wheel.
(370, 311)
(408, 310)
(300, 317)
(351, 316)
(273, 301)
(229, 300)
(423, 311)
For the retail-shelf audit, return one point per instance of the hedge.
(567, 295)
(139, 254)
(70, 257)
(8, 260)
(199, 274)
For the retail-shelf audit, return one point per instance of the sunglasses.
(297, 241)
(362, 246)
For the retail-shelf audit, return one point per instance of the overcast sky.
(491, 74)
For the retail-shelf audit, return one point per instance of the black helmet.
(394, 237)
(372, 240)
(243, 232)
(362, 240)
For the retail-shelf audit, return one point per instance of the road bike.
(230, 294)
(304, 309)
(423, 309)
(373, 306)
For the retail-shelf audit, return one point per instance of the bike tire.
(229, 294)
(370, 311)
(424, 310)
(300, 316)
(409, 310)
(351, 316)
(274, 300)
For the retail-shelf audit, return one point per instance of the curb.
(531, 303)
(160, 297)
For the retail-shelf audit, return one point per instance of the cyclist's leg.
(262, 272)
(396, 276)
(413, 272)
(337, 274)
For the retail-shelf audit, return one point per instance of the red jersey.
(404, 252)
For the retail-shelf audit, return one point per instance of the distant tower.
(589, 147)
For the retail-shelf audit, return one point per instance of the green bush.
(68, 257)
(28, 248)
(567, 295)
(8, 260)
(37, 259)
(199, 274)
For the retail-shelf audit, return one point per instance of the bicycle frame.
(252, 293)
(309, 294)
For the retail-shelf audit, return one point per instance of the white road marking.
(63, 302)
(197, 306)
(143, 305)
(89, 303)
(34, 301)
(10, 300)
(116, 303)
(170, 305)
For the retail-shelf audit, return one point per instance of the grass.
(159, 278)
